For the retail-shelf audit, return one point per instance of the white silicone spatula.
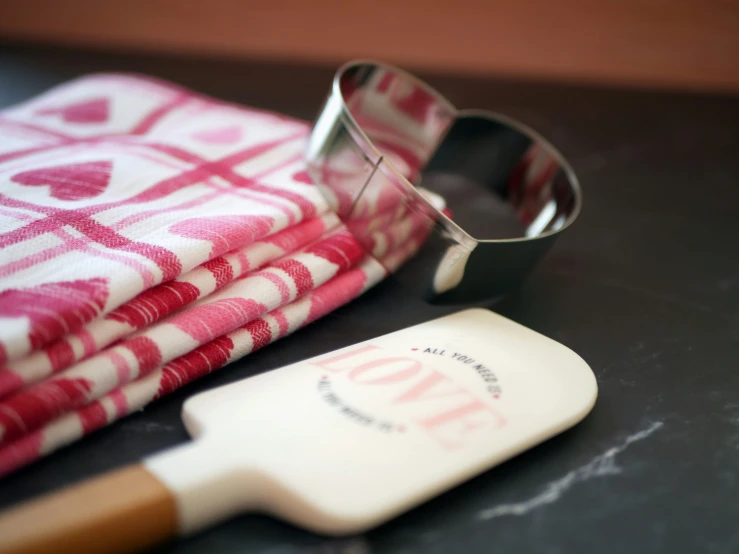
(335, 444)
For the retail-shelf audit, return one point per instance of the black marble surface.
(645, 287)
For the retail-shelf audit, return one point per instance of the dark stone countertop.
(645, 287)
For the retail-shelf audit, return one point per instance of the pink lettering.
(422, 389)
(451, 415)
(458, 421)
(395, 377)
(325, 363)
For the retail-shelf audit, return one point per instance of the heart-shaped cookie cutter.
(384, 137)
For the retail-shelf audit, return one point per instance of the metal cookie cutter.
(385, 142)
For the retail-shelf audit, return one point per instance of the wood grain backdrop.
(679, 44)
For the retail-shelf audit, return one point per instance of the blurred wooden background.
(673, 44)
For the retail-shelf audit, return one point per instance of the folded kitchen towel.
(158, 302)
(110, 185)
(150, 235)
(208, 357)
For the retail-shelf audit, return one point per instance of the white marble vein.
(601, 466)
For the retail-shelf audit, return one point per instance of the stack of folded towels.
(150, 235)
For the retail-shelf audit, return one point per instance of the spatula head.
(347, 440)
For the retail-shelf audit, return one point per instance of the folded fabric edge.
(247, 298)
(203, 360)
(239, 302)
(146, 308)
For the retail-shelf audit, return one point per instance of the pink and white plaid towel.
(148, 236)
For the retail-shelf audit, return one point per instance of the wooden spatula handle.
(122, 511)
